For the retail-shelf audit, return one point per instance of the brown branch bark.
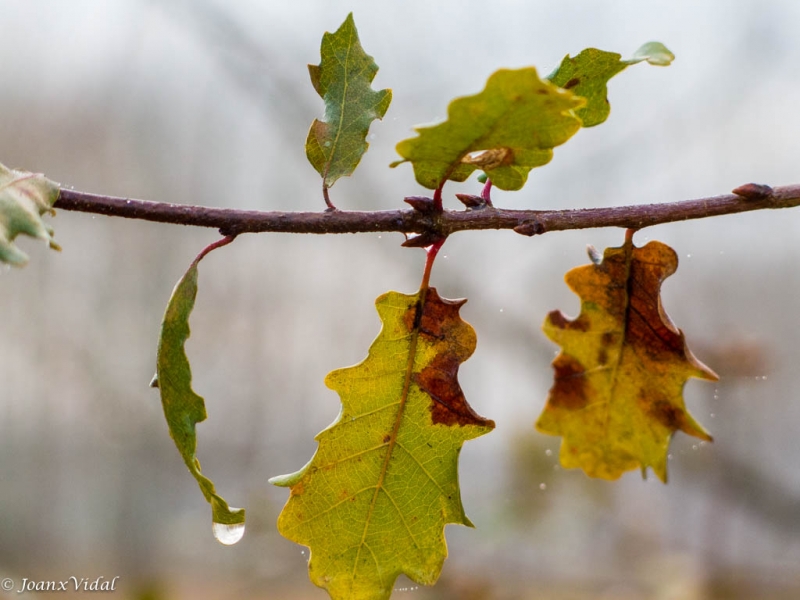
(527, 222)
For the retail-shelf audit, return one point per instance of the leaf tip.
(655, 53)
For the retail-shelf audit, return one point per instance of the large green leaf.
(335, 146)
(24, 197)
(375, 498)
(588, 73)
(183, 408)
(505, 130)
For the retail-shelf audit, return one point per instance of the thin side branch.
(436, 224)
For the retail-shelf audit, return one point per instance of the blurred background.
(208, 102)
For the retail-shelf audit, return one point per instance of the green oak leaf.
(374, 500)
(183, 408)
(505, 130)
(588, 73)
(335, 146)
(24, 198)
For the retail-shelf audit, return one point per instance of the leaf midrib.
(412, 351)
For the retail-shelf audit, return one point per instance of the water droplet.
(542, 486)
(327, 144)
(548, 452)
(694, 446)
(228, 534)
(716, 397)
(688, 256)
(501, 310)
(372, 136)
(445, 256)
(556, 467)
(669, 456)
(713, 415)
(380, 237)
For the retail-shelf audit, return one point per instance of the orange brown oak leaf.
(617, 398)
(373, 501)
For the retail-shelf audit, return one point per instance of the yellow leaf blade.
(375, 498)
(617, 398)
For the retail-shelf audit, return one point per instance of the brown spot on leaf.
(439, 323)
(448, 404)
(557, 319)
(297, 489)
(386, 438)
(663, 412)
(602, 356)
(571, 83)
(569, 386)
(491, 158)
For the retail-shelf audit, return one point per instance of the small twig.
(486, 192)
(327, 197)
(213, 246)
(528, 222)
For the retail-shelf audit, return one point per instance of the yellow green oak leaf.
(617, 397)
(505, 130)
(373, 501)
(588, 73)
(24, 198)
(183, 408)
(335, 145)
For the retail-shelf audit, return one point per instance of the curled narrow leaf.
(373, 501)
(505, 130)
(587, 75)
(24, 198)
(617, 398)
(335, 145)
(183, 408)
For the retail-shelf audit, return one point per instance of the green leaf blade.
(373, 501)
(183, 407)
(587, 75)
(24, 198)
(335, 145)
(506, 130)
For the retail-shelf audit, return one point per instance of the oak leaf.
(24, 198)
(617, 398)
(335, 146)
(506, 130)
(373, 501)
(588, 73)
(514, 123)
(183, 407)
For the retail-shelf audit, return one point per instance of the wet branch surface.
(436, 224)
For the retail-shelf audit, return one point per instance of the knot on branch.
(428, 212)
(754, 191)
(471, 201)
(530, 228)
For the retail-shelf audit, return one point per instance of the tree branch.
(527, 222)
